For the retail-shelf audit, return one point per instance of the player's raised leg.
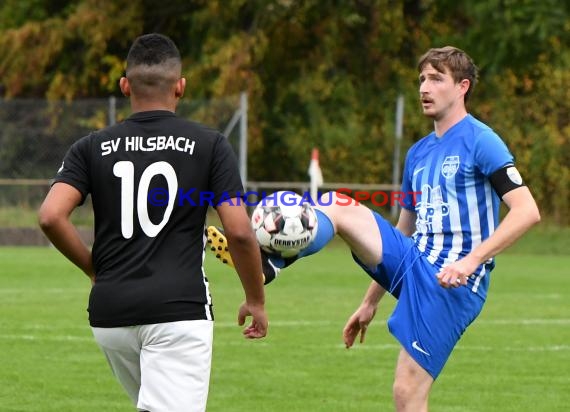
(355, 224)
(337, 214)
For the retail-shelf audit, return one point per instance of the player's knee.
(337, 199)
(333, 204)
(407, 392)
(401, 390)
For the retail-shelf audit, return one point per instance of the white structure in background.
(315, 174)
(396, 179)
(241, 116)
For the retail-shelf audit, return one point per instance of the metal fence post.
(243, 138)
(397, 150)
(112, 110)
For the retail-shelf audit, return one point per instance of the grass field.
(516, 357)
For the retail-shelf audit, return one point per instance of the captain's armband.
(505, 179)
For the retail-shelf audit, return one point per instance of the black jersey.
(151, 180)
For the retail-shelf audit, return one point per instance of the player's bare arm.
(361, 318)
(522, 215)
(54, 219)
(246, 257)
(407, 222)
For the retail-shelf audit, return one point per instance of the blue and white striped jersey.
(456, 206)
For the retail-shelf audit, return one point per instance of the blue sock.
(325, 233)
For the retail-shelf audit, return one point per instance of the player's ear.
(125, 86)
(180, 86)
(464, 86)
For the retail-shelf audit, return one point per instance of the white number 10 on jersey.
(126, 171)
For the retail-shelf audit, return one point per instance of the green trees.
(319, 73)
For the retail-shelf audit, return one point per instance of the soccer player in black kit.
(151, 180)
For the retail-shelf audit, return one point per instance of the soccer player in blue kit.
(438, 259)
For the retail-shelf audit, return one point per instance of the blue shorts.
(428, 319)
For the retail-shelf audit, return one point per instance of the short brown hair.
(455, 60)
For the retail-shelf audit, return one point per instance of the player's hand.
(457, 273)
(259, 323)
(358, 323)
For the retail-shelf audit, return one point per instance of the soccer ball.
(284, 223)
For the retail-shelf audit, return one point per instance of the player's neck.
(147, 105)
(447, 121)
